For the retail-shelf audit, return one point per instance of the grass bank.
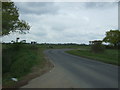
(19, 59)
(109, 56)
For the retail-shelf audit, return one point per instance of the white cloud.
(67, 22)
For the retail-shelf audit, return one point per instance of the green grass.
(62, 46)
(17, 60)
(109, 56)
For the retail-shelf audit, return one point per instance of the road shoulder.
(37, 71)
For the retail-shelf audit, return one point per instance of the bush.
(97, 48)
(18, 58)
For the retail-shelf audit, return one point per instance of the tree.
(10, 19)
(112, 37)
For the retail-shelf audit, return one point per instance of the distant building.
(33, 42)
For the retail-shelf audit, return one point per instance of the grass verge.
(22, 61)
(109, 56)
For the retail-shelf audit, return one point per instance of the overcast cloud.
(60, 22)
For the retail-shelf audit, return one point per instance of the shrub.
(97, 48)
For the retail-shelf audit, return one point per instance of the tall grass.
(18, 59)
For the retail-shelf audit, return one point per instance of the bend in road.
(76, 72)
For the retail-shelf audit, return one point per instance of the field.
(108, 56)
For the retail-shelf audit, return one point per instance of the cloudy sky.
(66, 22)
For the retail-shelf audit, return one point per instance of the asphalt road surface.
(75, 72)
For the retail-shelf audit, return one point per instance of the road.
(75, 72)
